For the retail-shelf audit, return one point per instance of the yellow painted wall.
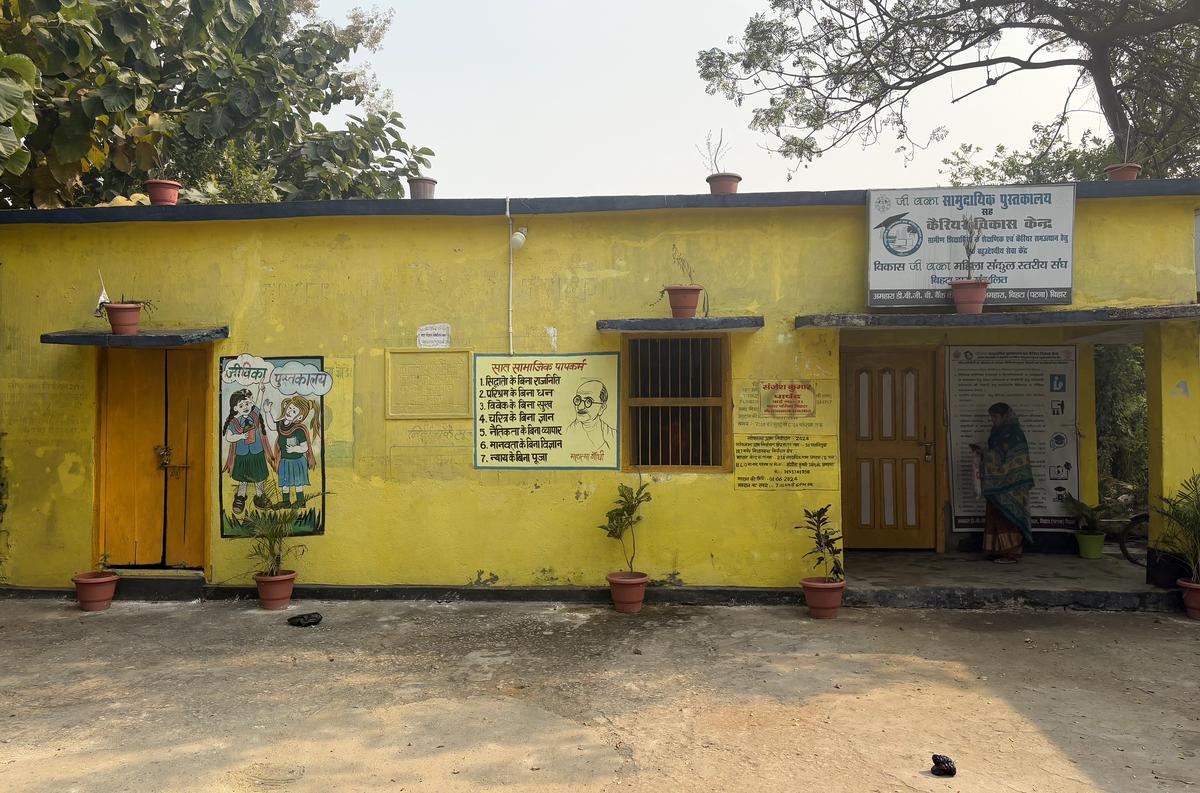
(1172, 380)
(348, 288)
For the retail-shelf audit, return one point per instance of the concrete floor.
(1045, 571)
(450, 697)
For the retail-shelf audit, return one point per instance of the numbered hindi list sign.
(1024, 239)
(547, 411)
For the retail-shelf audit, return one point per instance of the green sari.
(1007, 474)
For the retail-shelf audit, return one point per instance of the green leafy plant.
(623, 517)
(1181, 512)
(827, 543)
(1087, 517)
(102, 562)
(271, 540)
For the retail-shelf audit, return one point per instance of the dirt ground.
(449, 697)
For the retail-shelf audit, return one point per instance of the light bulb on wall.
(518, 239)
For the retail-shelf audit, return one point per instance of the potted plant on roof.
(823, 593)
(684, 298)
(162, 191)
(627, 587)
(419, 187)
(1088, 532)
(95, 589)
(271, 545)
(970, 292)
(719, 182)
(1181, 512)
(1123, 171)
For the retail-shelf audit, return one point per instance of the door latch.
(164, 460)
(928, 452)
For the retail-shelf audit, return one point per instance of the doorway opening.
(153, 457)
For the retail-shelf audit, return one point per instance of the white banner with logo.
(1039, 384)
(1024, 246)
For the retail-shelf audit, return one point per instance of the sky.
(533, 98)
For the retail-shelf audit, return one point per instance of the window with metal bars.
(677, 403)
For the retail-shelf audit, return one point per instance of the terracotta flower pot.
(1091, 546)
(162, 192)
(275, 591)
(684, 299)
(421, 187)
(1122, 171)
(723, 183)
(124, 318)
(628, 591)
(1191, 597)
(95, 590)
(969, 294)
(823, 597)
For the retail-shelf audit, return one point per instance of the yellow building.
(469, 409)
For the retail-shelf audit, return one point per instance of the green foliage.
(827, 543)
(623, 517)
(271, 540)
(104, 93)
(826, 72)
(102, 561)
(1182, 514)
(1088, 517)
(1048, 159)
(1122, 414)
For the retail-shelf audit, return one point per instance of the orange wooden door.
(888, 448)
(133, 501)
(153, 507)
(188, 386)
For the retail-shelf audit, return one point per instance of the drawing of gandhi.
(589, 426)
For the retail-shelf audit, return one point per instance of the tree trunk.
(1110, 104)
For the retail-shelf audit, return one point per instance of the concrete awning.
(672, 325)
(1004, 319)
(147, 338)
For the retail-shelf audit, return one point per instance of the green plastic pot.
(1091, 546)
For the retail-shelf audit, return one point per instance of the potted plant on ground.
(628, 587)
(271, 546)
(94, 590)
(719, 182)
(969, 293)
(684, 298)
(1182, 538)
(1088, 532)
(823, 594)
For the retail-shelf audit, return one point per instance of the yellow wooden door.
(153, 457)
(133, 501)
(888, 447)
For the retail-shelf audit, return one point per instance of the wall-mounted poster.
(1025, 239)
(547, 411)
(272, 457)
(1039, 384)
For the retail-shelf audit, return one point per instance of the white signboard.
(1039, 384)
(1026, 237)
(433, 337)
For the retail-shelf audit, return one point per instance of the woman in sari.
(1006, 481)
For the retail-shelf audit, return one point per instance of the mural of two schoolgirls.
(272, 446)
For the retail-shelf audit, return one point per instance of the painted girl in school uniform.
(297, 431)
(249, 449)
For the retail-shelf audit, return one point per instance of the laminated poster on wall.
(1039, 384)
(272, 441)
(547, 411)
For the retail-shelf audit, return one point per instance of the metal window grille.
(677, 402)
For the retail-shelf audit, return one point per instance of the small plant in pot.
(719, 182)
(969, 293)
(1181, 512)
(684, 298)
(1125, 170)
(628, 587)
(124, 315)
(162, 191)
(94, 590)
(1088, 532)
(419, 187)
(823, 593)
(271, 545)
